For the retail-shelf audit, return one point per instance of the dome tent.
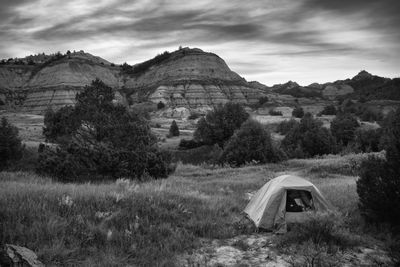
(284, 199)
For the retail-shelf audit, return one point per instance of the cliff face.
(191, 78)
(187, 78)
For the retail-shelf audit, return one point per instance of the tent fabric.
(267, 208)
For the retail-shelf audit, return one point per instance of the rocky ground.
(260, 250)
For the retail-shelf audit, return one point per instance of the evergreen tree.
(173, 129)
(10, 144)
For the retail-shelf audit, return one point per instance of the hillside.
(187, 78)
(362, 86)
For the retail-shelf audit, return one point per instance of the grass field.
(148, 224)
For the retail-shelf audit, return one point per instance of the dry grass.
(146, 224)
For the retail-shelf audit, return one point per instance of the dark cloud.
(259, 28)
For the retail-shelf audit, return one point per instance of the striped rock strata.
(188, 78)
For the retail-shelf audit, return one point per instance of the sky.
(270, 41)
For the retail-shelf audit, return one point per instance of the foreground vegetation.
(151, 223)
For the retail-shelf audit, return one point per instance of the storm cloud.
(270, 40)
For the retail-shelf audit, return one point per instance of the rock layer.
(189, 78)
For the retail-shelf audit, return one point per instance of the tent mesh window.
(298, 201)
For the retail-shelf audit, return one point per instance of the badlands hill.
(187, 77)
(363, 85)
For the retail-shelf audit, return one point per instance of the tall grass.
(147, 224)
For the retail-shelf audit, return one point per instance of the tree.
(343, 128)
(250, 143)
(379, 185)
(298, 112)
(368, 140)
(262, 100)
(109, 142)
(285, 126)
(219, 124)
(308, 139)
(160, 105)
(10, 144)
(329, 110)
(174, 130)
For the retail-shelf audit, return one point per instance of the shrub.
(308, 139)
(285, 126)
(273, 112)
(298, 112)
(368, 140)
(59, 125)
(2, 102)
(173, 129)
(193, 116)
(219, 124)
(10, 144)
(109, 142)
(370, 115)
(329, 110)
(321, 229)
(379, 184)
(262, 100)
(250, 143)
(189, 144)
(160, 105)
(343, 128)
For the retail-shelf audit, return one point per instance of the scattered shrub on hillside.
(285, 126)
(329, 110)
(368, 140)
(110, 142)
(251, 143)
(262, 100)
(273, 112)
(2, 102)
(173, 129)
(160, 105)
(10, 144)
(343, 127)
(193, 116)
(379, 184)
(219, 124)
(298, 112)
(308, 139)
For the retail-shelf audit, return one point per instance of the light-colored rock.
(189, 78)
(14, 256)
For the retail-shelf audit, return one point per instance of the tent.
(285, 199)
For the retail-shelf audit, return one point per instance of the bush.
(308, 139)
(250, 143)
(368, 140)
(109, 142)
(219, 124)
(59, 125)
(160, 105)
(2, 102)
(329, 110)
(10, 144)
(379, 184)
(262, 100)
(370, 115)
(189, 144)
(343, 128)
(285, 126)
(174, 130)
(298, 112)
(194, 116)
(273, 112)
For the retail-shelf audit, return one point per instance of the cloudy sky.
(271, 41)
